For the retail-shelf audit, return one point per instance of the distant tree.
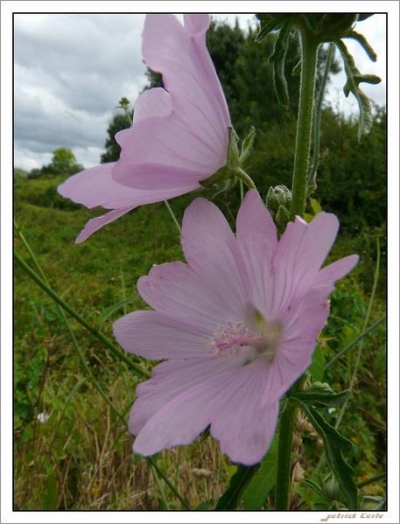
(63, 163)
(20, 174)
(118, 123)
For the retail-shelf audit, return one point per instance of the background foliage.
(71, 451)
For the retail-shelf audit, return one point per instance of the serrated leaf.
(263, 480)
(232, 496)
(315, 398)
(334, 445)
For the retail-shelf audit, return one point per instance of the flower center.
(239, 341)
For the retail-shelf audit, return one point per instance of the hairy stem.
(305, 121)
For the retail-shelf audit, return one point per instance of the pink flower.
(179, 135)
(237, 326)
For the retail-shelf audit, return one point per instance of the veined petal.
(299, 256)
(302, 321)
(169, 380)
(179, 135)
(245, 423)
(156, 336)
(335, 271)
(97, 187)
(164, 152)
(182, 58)
(181, 420)
(152, 103)
(211, 251)
(257, 239)
(175, 289)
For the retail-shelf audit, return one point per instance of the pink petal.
(208, 400)
(212, 252)
(96, 187)
(175, 289)
(330, 274)
(152, 103)
(302, 321)
(187, 69)
(245, 423)
(300, 254)
(94, 224)
(160, 153)
(156, 336)
(170, 379)
(257, 239)
(196, 25)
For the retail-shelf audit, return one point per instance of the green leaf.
(354, 78)
(363, 43)
(263, 480)
(334, 444)
(316, 398)
(317, 366)
(231, 497)
(278, 62)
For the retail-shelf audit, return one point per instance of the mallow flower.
(179, 136)
(236, 326)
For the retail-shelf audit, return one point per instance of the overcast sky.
(70, 70)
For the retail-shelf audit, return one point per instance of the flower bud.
(278, 196)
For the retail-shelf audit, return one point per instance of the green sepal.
(227, 171)
(239, 481)
(247, 145)
(263, 480)
(334, 445)
(282, 218)
(222, 174)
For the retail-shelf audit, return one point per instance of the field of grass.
(72, 394)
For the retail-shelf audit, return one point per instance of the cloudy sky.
(70, 70)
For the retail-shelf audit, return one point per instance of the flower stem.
(284, 456)
(309, 46)
(242, 175)
(172, 214)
